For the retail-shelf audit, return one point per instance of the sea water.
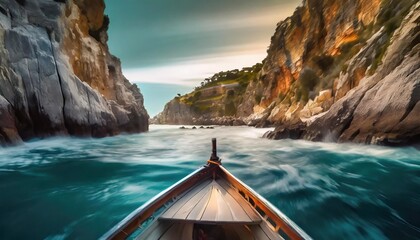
(72, 188)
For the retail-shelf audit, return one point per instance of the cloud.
(158, 36)
(192, 40)
(191, 69)
(226, 21)
(191, 72)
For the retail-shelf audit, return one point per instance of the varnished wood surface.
(166, 230)
(212, 202)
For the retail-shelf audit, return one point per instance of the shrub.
(197, 95)
(346, 47)
(230, 93)
(304, 96)
(391, 26)
(281, 96)
(230, 108)
(308, 79)
(323, 62)
(298, 94)
(258, 98)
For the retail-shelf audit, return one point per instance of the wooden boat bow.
(211, 196)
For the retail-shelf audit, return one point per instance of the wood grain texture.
(184, 205)
(182, 231)
(262, 230)
(211, 202)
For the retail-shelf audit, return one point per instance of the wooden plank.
(246, 206)
(198, 210)
(236, 210)
(182, 231)
(293, 232)
(181, 208)
(269, 232)
(258, 233)
(155, 231)
(242, 231)
(217, 210)
(211, 202)
(186, 209)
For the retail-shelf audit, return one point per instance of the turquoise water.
(69, 188)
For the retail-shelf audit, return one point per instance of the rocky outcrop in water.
(57, 76)
(215, 102)
(175, 112)
(179, 113)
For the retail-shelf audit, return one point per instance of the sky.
(170, 46)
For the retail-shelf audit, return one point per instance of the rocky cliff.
(214, 102)
(57, 76)
(340, 71)
(367, 57)
(375, 91)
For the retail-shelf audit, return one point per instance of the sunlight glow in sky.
(191, 73)
(176, 44)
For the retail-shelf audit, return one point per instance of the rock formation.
(378, 106)
(57, 76)
(340, 71)
(179, 113)
(176, 112)
(215, 102)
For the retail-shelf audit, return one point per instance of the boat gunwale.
(285, 223)
(142, 213)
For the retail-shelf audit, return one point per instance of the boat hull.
(156, 210)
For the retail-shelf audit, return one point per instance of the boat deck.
(212, 201)
(210, 210)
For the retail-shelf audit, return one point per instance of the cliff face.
(216, 101)
(176, 112)
(385, 107)
(341, 71)
(57, 76)
(376, 93)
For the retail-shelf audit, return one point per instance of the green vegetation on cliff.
(220, 94)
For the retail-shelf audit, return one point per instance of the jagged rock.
(320, 104)
(316, 29)
(176, 112)
(31, 56)
(385, 107)
(57, 78)
(8, 131)
(86, 112)
(286, 132)
(238, 122)
(94, 12)
(379, 107)
(359, 65)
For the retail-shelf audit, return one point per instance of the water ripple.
(78, 188)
